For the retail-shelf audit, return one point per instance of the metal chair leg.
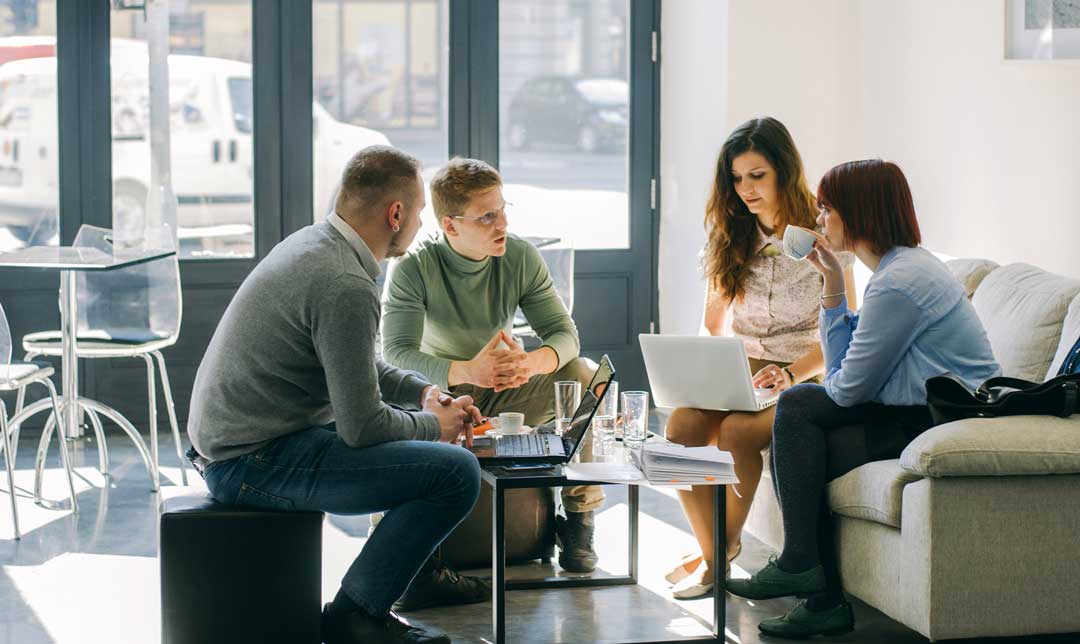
(43, 449)
(99, 436)
(20, 398)
(9, 465)
(171, 408)
(129, 429)
(151, 391)
(65, 455)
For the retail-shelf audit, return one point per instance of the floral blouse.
(777, 318)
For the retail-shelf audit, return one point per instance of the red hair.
(873, 199)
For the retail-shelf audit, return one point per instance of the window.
(380, 76)
(29, 170)
(240, 98)
(563, 119)
(210, 126)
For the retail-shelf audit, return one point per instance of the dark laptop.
(543, 446)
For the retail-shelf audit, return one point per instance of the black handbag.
(949, 397)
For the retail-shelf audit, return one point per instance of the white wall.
(723, 63)
(991, 147)
(693, 77)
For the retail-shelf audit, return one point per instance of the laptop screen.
(590, 400)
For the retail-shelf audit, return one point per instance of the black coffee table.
(501, 480)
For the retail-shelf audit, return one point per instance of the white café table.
(69, 261)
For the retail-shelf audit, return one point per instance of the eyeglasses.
(488, 218)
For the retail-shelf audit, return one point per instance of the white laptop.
(702, 372)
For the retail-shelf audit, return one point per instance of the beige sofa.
(975, 529)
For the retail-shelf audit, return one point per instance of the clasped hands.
(500, 368)
(456, 415)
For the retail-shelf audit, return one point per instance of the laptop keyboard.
(522, 445)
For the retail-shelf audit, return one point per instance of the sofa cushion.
(970, 272)
(1022, 308)
(873, 492)
(1070, 331)
(1005, 446)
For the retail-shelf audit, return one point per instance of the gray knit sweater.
(296, 349)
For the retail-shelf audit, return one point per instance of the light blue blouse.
(915, 322)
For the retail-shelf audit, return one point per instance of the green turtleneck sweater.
(440, 306)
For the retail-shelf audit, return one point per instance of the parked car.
(590, 113)
(211, 117)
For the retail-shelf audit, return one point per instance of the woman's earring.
(397, 228)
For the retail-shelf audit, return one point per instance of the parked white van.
(211, 116)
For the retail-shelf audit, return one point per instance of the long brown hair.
(730, 224)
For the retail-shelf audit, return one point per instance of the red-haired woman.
(915, 322)
(758, 190)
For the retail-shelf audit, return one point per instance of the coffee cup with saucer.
(508, 423)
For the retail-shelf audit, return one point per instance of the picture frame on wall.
(1042, 29)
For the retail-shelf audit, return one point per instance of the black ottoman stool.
(231, 575)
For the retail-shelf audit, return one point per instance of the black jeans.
(815, 441)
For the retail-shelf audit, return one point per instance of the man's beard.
(397, 247)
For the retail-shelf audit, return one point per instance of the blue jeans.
(426, 489)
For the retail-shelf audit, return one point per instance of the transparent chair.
(560, 263)
(131, 312)
(16, 376)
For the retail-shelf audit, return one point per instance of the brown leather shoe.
(358, 627)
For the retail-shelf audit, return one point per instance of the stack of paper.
(662, 464)
(675, 464)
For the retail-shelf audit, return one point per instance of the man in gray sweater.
(292, 408)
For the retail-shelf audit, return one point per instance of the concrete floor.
(93, 578)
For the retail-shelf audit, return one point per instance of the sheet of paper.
(678, 477)
(610, 472)
(630, 475)
(708, 453)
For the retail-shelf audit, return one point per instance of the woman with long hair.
(758, 190)
(915, 322)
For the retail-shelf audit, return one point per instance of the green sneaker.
(802, 622)
(770, 582)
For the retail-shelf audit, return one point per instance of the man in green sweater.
(448, 310)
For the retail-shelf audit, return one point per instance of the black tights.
(815, 441)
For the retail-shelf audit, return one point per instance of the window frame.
(282, 78)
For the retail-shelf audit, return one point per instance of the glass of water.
(567, 397)
(608, 409)
(635, 406)
(604, 428)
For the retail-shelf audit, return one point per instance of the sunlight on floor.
(67, 598)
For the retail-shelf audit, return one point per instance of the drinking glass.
(604, 427)
(635, 406)
(607, 414)
(567, 397)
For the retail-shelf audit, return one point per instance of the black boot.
(574, 534)
(357, 627)
(438, 585)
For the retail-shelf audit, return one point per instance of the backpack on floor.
(949, 397)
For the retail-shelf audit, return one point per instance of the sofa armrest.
(1006, 446)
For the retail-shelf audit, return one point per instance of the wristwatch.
(790, 375)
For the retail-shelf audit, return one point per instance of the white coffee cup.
(798, 242)
(511, 422)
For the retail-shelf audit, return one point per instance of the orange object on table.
(483, 427)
